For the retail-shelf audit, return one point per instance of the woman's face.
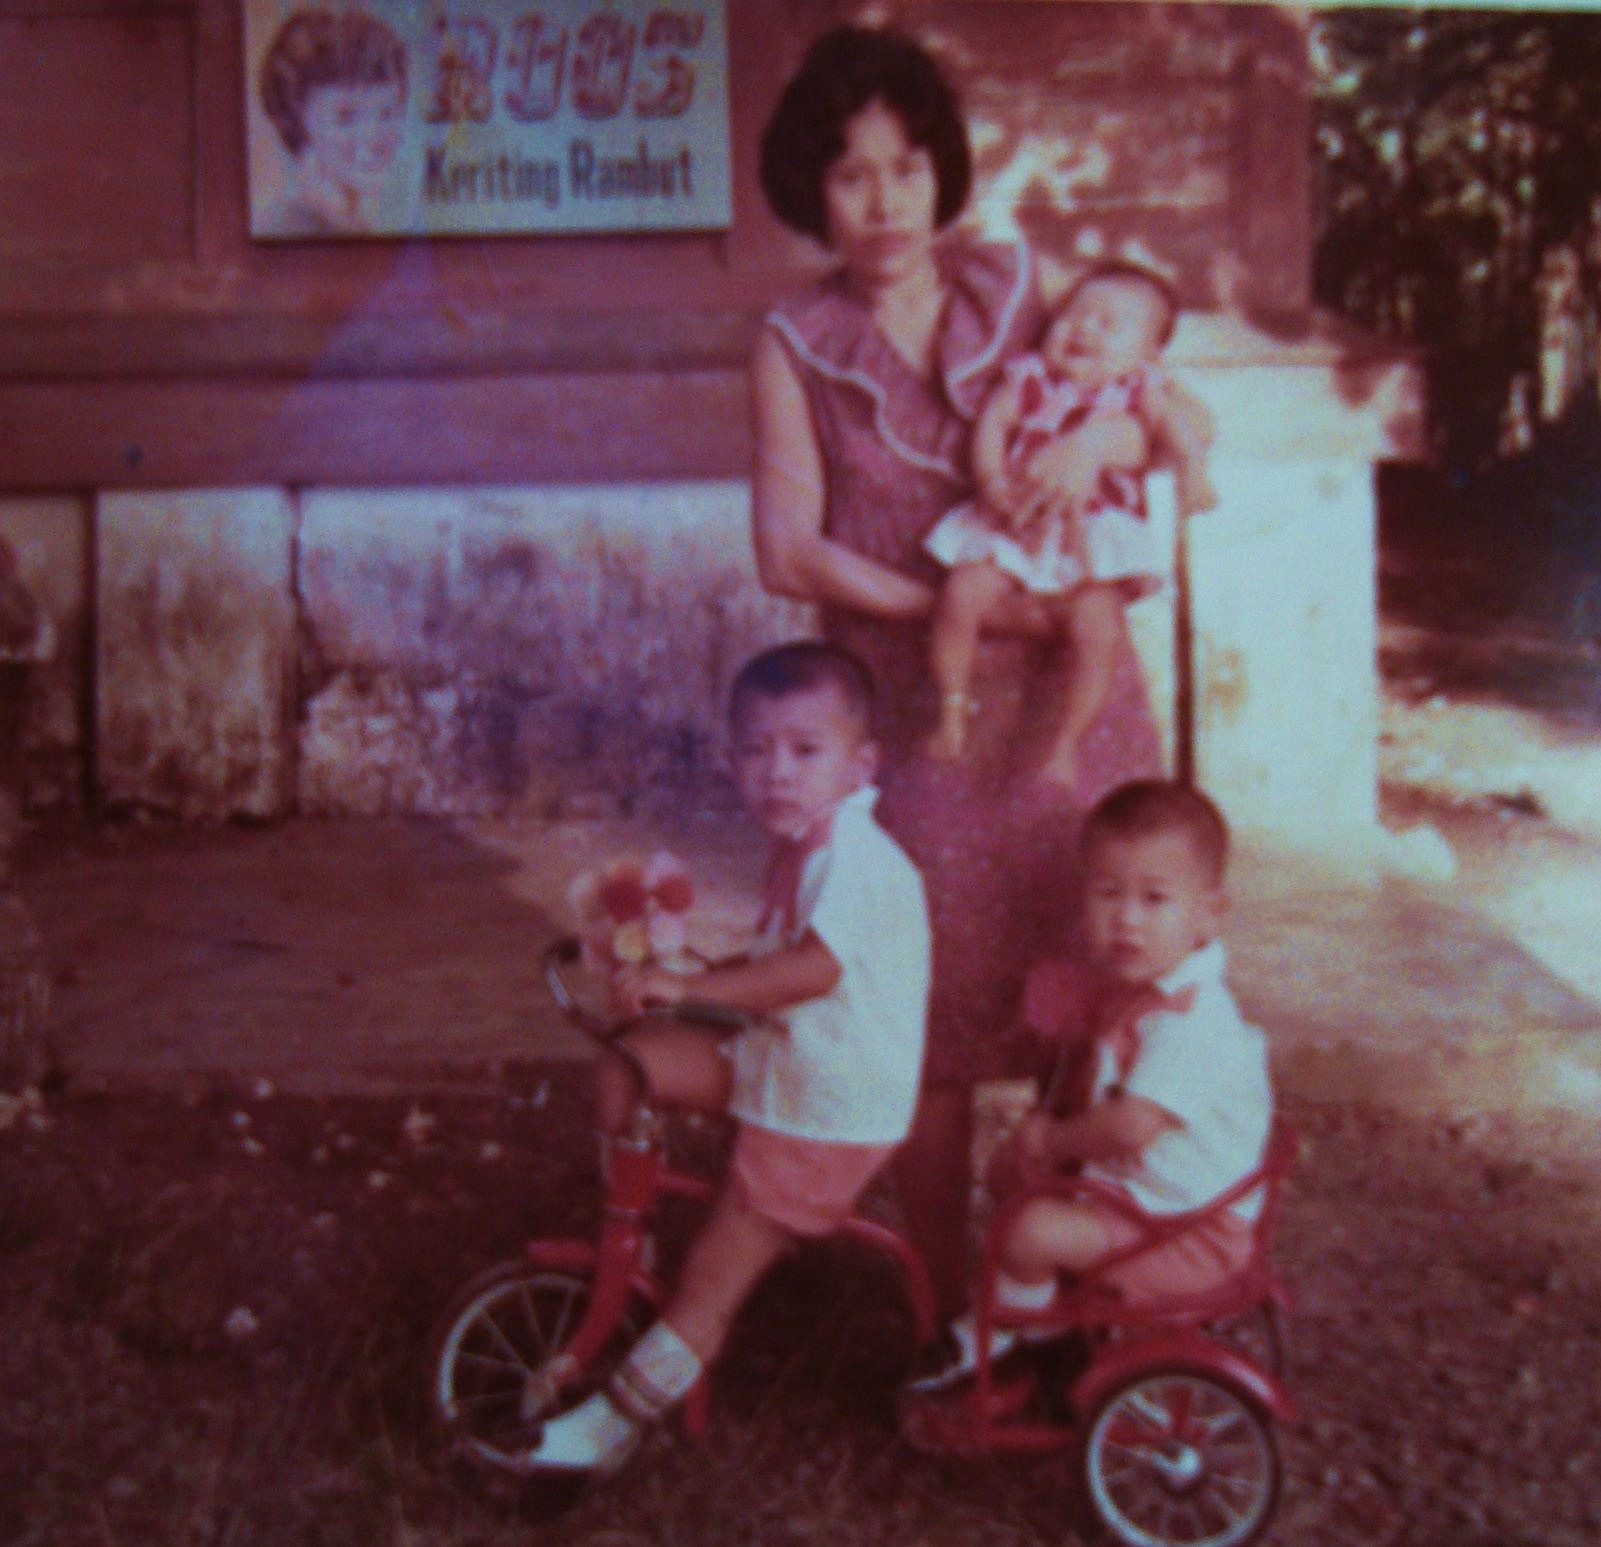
(879, 197)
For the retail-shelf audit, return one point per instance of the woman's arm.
(793, 556)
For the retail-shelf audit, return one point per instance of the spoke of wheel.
(569, 1300)
(1130, 1473)
(1191, 1522)
(502, 1339)
(1244, 1462)
(1206, 1427)
(493, 1361)
(484, 1399)
(531, 1316)
(1164, 1515)
(1180, 1405)
(1240, 1487)
(1152, 1411)
(1231, 1515)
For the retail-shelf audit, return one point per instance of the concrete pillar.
(1284, 650)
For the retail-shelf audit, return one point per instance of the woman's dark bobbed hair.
(845, 70)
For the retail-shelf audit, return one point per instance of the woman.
(864, 393)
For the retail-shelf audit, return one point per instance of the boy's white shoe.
(593, 1437)
(953, 1356)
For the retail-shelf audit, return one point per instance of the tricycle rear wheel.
(1178, 1458)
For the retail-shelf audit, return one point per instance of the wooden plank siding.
(145, 339)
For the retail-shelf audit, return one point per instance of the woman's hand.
(635, 990)
(1063, 475)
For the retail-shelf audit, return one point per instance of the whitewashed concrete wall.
(471, 650)
(466, 648)
(195, 661)
(1284, 649)
(50, 534)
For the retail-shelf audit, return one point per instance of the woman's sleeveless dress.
(995, 848)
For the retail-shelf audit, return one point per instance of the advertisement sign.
(394, 118)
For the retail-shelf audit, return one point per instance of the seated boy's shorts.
(1198, 1260)
(808, 1186)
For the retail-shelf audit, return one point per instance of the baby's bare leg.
(971, 594)
(1092, 616)
(686, 1068)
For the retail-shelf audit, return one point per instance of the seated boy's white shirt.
(1209, 1068)
(845, 1067)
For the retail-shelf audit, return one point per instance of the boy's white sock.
(657, 1374)
(1016, 1295)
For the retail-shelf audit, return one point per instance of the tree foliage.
(1460, 159)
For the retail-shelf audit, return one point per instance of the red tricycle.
(1167, 1408)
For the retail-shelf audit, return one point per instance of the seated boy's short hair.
(1149, 806)
(799, 667)
(1126, 271)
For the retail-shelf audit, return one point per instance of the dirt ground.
(312, 1084)
(218, 1307)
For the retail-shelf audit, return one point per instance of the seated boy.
(1174, 1106)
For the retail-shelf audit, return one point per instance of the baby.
(824, 1081)
(1098, 360)
(1174, 1105)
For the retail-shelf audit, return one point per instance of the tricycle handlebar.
(566, 953)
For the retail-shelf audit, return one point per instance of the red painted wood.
(466, 429)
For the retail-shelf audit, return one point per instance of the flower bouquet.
(631, 913)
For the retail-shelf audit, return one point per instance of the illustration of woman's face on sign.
(334, 86)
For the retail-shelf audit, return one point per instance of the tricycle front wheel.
(495, 1372)
(1175, 1458)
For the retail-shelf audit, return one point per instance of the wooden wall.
(146, 341)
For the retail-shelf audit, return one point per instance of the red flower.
(674, 893)
(623, 895)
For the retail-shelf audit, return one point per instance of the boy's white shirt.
(1209, 1068)
(845, 1067)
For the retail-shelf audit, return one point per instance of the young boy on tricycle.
(1159, 1095)
(823, 1080)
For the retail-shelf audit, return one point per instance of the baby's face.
(796, 757)
(1149, 902)
(352, 133)
(1109, 328)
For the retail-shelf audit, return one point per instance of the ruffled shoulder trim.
(832, 335)
(991, 312)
